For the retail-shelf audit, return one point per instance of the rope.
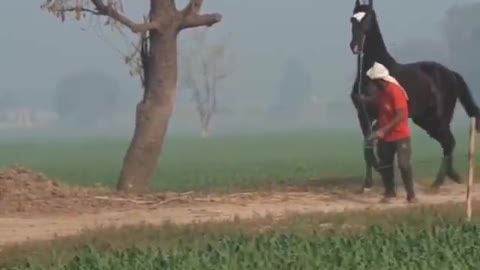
(367, 145)
(360, 92)
(360, 85)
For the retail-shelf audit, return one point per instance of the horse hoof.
(455, 177)
(457, 180)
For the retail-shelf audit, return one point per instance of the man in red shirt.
(394, 131)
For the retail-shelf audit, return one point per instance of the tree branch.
(196, 20)
(191, 17)
(103, 9)
(108, 10)
(72, 9)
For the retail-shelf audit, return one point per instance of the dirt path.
(15, 229)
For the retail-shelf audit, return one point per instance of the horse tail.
(467, 100)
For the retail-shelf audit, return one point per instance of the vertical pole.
(471, 168)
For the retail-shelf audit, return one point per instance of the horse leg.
(445, 110)
(447, 141)
(370, 162)
(444, 136)
(369, 157)
(368, 149)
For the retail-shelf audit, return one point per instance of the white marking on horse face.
(359, 16)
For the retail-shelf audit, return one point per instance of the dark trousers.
(386, 153)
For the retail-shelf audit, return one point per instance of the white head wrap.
(380, 72)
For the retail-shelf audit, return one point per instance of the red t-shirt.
(393, 98)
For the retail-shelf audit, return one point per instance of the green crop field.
(421, 238)
(424, 238)
(221, 163)
(451, 247)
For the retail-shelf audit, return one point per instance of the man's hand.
(387, 128)
(378, 134)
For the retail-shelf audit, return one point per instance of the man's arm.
(399, 116)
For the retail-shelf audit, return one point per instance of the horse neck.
(375, 48)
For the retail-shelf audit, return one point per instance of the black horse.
(432, 88)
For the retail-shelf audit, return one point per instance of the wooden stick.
(471, 168)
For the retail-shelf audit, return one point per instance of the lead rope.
(366, 144)
(360, 85)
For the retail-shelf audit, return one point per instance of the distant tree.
(294, 90)
(9, 100)
(86, 99)
(461, 31)
(204, 66)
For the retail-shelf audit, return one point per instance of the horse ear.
(370, 3)
(357, 3)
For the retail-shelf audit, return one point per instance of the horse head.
(362, 23)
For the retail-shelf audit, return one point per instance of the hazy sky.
(37, 49)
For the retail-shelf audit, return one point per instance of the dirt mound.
(25, 191)
(20, 182)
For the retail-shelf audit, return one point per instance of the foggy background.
(292, 65)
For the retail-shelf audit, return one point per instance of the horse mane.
(375, 44)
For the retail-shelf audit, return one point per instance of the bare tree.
(155, 60)
(294, 91)
(86, 99)
(203, 68)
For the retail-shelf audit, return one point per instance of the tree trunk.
(204, 129)
(153, 113)
(205, 124)
(204, 133)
